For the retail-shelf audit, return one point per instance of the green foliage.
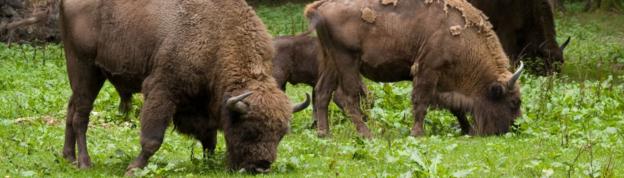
(286, 19)
(571, 126)
(597, 46)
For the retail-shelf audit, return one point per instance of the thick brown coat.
(188, 57)
(445, 47)
(526, 29)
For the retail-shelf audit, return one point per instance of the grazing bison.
(202, 64)
(445, 47)
(526, 28)
(296, 62)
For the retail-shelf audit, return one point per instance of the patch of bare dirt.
(25, 21)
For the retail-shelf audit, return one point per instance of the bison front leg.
(155, 115)
(463, 121)
(422, 93)
(86, 81)
(209, 142)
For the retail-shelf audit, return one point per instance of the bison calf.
(296, 61)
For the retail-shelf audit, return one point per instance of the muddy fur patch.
(368, 15)
(387, 2)
(414, 69)
(455, 30)
(475, 18)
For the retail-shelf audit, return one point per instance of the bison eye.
(496, 91)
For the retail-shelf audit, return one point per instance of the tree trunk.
(607, 5)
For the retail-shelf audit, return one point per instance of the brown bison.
(204, 65)
(296, 62)
(526, 29)
(445, 47)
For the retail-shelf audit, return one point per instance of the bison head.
(552, 56)
(499, 106)
(541, 41)
(257, 123)
(495, 107)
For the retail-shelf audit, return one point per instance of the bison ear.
(496, 91)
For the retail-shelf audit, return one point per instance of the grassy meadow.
(572, 123)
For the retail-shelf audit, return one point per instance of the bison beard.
(446, 48)
(205, 65)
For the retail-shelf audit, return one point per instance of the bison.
(447, 48)
(296, 62)
(204, 65)
(526, 29)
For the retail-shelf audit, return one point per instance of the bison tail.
(312, 14)
(328, 47)
(311, 9)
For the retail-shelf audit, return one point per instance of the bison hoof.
(365, 118)
(70, 158)
(84, 163)
(313, 125)
(139, 163)
(467, 132)
(367, 135)
(322, 134)
(417, 134)
(129, 173)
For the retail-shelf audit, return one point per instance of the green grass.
(597, 47)
(572, 124)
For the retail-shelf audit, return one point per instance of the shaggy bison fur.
(204, 65)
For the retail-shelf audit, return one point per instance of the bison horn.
(565, 44)
(516, 76)
(302, 106)
(235, 104)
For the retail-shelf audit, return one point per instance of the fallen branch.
(37, 17)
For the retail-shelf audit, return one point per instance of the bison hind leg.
(86, 82)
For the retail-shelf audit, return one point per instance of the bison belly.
(386, 70)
